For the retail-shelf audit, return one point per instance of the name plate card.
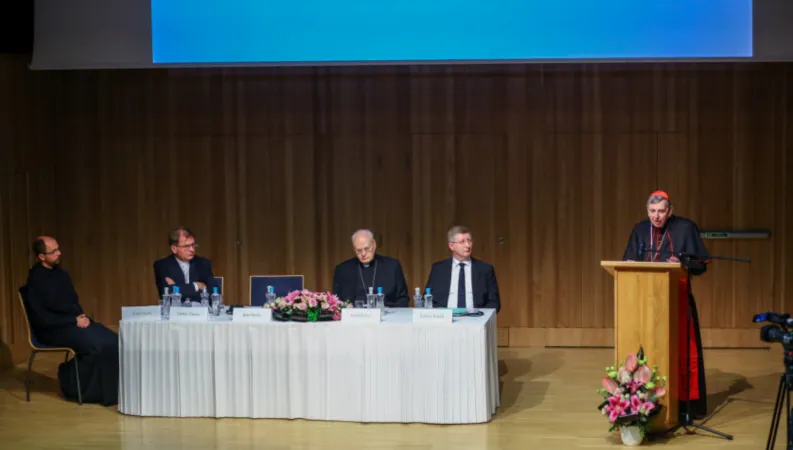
(141, 313)
(361, 315)
(252, 315)
(188, 314)
(432, 315)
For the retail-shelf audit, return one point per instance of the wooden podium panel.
(646, 314)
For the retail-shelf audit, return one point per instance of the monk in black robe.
(664, 237)
(58, 319)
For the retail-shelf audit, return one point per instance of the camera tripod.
(785, 383)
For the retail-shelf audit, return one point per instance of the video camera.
(778, 332)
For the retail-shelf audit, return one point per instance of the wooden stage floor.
(548, 402)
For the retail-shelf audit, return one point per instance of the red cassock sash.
(689, 373)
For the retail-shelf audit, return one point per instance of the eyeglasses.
(360, 251)
(466, 241)
(54, 250)
(194, 246)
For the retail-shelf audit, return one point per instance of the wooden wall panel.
(14, 228)
(274, 168)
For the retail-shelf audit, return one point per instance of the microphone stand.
(686, 419)
(687, 260)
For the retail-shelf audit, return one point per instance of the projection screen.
(89, 34)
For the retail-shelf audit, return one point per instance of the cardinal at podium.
(664, 237)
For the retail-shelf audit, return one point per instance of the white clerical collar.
(369, 264)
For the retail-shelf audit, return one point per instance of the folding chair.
(37, 347)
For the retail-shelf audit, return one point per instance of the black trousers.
(699, 407)
(97, 361)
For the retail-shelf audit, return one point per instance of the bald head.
(46, 251)
(364, 245)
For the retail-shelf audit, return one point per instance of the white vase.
(631, 435)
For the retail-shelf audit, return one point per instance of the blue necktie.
(461, 287)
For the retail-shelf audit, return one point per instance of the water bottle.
(215, 302)
(428, 299)
(176, 297)
(418, 300)
(166, 297)
(370, 299)
(165, 304)
(380, 298)
(270, 296)
(205, 299)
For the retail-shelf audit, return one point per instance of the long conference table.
(392, 371)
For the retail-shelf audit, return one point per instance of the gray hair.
(362, 231)
(657, 199)
(455, 230)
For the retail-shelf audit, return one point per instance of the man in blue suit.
(183, 268)
(462, 281)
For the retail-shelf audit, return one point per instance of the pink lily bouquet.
(631, 393)
(308, 306)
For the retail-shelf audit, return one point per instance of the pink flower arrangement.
(308, 306)
(631, 393)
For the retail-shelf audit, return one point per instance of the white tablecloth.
(395, 371)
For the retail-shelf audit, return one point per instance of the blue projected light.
(269, 31)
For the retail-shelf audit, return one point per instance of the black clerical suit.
(53, 306)
(200, 271)
(679, 237)
(352, 280)
(483, 283)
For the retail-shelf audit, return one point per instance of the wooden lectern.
(646, 314)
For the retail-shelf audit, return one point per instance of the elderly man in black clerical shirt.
(58, 319)
(353, 278)
(666, 237)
